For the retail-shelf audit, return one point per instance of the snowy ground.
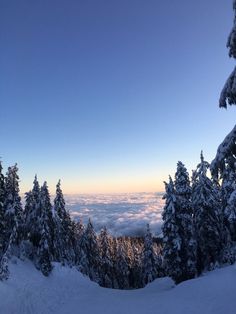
(66, 291)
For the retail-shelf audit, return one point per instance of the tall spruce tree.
(65, 225)
(106, 259)
(227, 150)
(207, 218)
(45, 251)
(91, 250)
(172, 241)
(227, 189)
(79, 236)
(121, 266)
(3, 230)
(184, 219)
(12, 206)
(228, 94)
(33, 214)
(149, 258)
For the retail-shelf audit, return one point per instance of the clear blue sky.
(109, 95)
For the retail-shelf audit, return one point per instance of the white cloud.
(122, 214)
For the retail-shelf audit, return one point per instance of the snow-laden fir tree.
(106, 267)
(114, 248)
(227, 150)
(121, 266)
(136, 266)
(228, 186)
(91, 260)
(79, 235)
(66, 225)
(12, 207)
(184, 219)
(4, 271)
(225, 157)
(228, 94)
(172, 241)
(32, 214)
(207, 218)
(45, 251)
(149, 258)
(230, 214)
(3, 236)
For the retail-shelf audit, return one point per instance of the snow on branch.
(226, 153)
(228, 94)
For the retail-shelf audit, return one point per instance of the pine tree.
(65, 225)
(33, 214)
(114, 250)
(136, 279)
(121, 266)
(230, 214)
(13, 207)
(228, 94)
(3, 236)
(45, 247)
(184, 219)
(227, 150)
(78, 234)
(91, 250)
(149, 258)
(106, 259)
(43, 252)
(172, 241)
(227, 188)
(4, 271)
(207, 218)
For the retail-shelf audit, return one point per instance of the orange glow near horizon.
(129, 185)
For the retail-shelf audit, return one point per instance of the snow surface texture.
(122, 214)
(67, 291)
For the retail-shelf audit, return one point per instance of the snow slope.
(66, 291)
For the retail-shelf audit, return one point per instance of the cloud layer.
(122, 214)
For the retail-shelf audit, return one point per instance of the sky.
(109, 95)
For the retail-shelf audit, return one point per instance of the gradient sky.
(109, 95)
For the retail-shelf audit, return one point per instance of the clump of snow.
(67, 291)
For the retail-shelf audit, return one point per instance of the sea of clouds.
(122, 214)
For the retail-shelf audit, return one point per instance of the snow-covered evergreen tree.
(106, 259)
(230, 214)
(136, 279)
(65, 225)
(184, 218)
(91, 262)
(207, 218)
(33, 214)
(228, 94)
(149, 258)
(226, 189)
(121, 267)
(78, 235)
(45, 251)
(12, 206)
(225, 157)
(172, 241)
(3, 236)
(4, 271)
(226, 152)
